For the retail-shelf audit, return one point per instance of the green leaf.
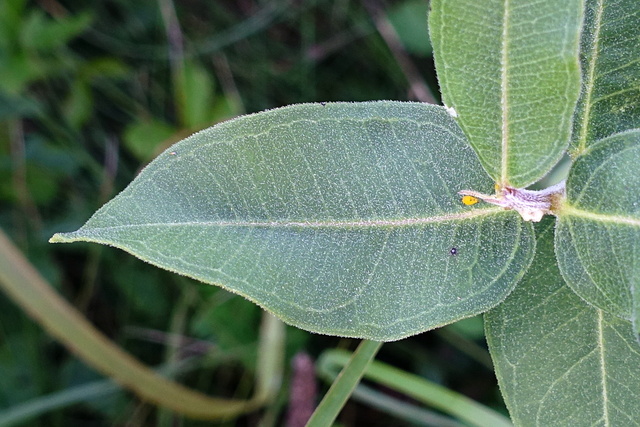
(103, 68)
(12, 19)
(196, 95)
(17, 71)
(78, 105)
(559, 361)
(409, 19)
(144, 137)
(416, 387)
(338, 218)
(42, 33)
(511, 71)
(611, 89)
(598, 234)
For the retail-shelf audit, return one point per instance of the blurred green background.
(91, 91)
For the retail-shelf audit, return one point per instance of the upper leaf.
(610, 97)
(598, 233)
(339, 218)
(559, 361)
(510, 70)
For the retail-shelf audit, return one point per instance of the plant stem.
(425, 391)
(343, 386)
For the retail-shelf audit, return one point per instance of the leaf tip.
(61, 238)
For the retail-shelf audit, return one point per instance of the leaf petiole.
(532, 205)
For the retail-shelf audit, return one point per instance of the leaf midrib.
(589, 82)
(381, 223)
(569, 211)
(504, 96)
(603, 369)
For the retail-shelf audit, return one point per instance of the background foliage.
(91, 91)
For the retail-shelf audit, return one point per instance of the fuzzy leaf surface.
(610, 97)
(510, 68)
(560, 361)
(598, 233)
(338, 218)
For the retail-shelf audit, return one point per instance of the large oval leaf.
(610, 97)
(560, 361)
(511, 71)
(598, 234)
(339, 218)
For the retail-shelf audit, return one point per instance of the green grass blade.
(23, 284)
(425, 391)
(343, 386)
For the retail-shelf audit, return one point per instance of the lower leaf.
(558, 360)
